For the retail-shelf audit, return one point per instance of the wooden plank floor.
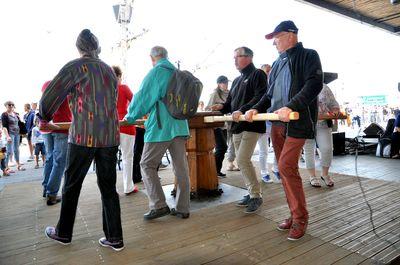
(340, 229)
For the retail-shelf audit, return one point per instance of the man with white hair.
(171, 134)
(295, 82)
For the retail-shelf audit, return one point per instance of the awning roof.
(378, 13)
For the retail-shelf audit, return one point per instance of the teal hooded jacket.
(153, 89)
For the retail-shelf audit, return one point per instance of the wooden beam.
(65, 125)
(257, 117)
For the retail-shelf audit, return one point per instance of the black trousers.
(395, 143)
(79, 159)
(137, 154)
(220, 147)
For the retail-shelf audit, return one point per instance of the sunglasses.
(10, 105)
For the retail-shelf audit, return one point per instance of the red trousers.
(287, 151)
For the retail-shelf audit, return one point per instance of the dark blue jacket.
(29, 119)
(307, 78)
(246, 90)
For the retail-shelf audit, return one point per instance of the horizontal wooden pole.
(331, 116)
(65, 125)
(257, 117)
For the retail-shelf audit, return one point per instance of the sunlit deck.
(340, 229)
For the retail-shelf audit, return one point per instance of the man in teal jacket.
(171, 135)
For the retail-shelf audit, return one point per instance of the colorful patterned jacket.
(92, 87)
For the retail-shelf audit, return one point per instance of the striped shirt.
(92, 87)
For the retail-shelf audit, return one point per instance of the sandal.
(314, 181)
(328, 181)
(21, 168)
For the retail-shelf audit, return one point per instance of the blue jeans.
(56, 154)
(13, 147)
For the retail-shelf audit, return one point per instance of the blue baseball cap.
(284, 26)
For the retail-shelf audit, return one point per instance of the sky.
(38, 38)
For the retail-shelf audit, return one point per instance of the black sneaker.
(156, 213)
(50, 232)
(179, 214)
(117, 246)
(243, 202)
(253, 205)
(221, 175)
(173, 193)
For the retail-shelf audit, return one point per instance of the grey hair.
(159, 51)
(246, 51)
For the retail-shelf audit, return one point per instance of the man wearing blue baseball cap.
(294, 84)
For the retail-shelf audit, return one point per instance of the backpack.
(182, 96)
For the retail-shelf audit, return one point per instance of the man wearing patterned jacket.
(94, 134)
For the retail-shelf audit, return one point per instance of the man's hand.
(8, 139)
(44, 125)
(283, 114)
(217, 107)
(236, 115)
(249, 114)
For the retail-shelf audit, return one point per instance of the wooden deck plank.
(344, 236)
(212, 248)
(390, 255)
(298, 248)
(372, 245)
(352, 219)
(258, 249)
(215, 235)
(278, 213)
(353, 258)
(346, 212)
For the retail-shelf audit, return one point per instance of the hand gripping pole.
(257, 117)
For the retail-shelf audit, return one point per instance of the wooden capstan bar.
(201, 143)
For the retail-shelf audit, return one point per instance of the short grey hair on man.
(245, 51)
(159, 51)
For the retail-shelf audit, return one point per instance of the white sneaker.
(232, 167)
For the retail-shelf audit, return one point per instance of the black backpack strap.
(157, 104)
(158, 116)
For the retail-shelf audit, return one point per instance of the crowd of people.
(363, 115)
(12, 129)
(89, 94)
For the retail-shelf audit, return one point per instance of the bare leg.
(30, 147)
(325, 171)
